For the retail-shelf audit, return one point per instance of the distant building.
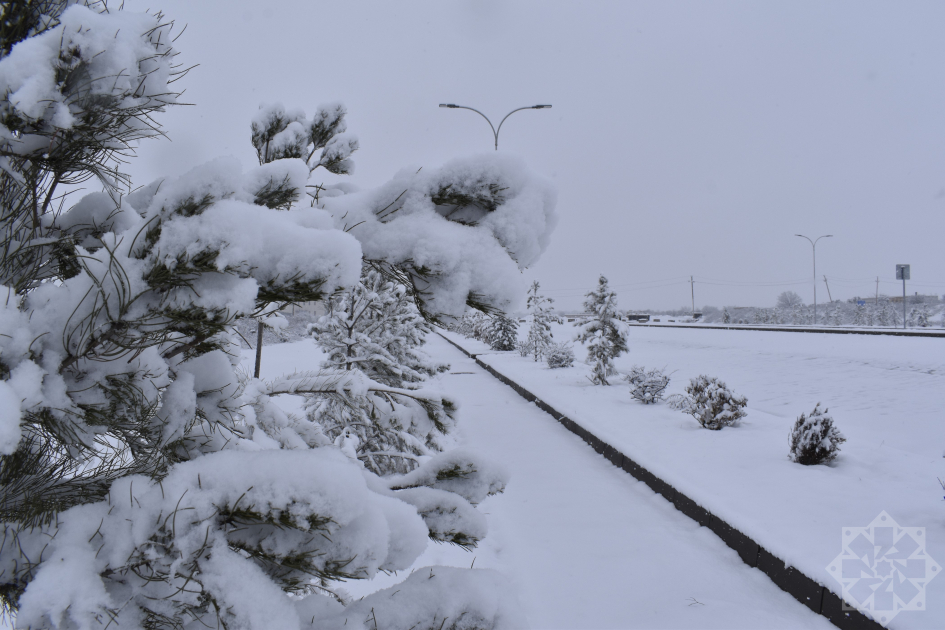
(315, 308)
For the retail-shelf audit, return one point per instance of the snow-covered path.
(589, 546)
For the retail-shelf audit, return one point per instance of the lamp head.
(540, 106)
(450, 105)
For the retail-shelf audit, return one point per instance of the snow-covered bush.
(539, 331)
(647, 386)
(503, 333)
(560, 355)
(145, 480)
(815, 439)
(604, 334)
(710, 402)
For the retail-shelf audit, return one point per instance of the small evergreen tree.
(726, 316)
(919, 316)
(860, 315)
(603, 333)
(887, 314)
(834, 315)
(539, 330)
(376, 329)
(815, 439)
(503, 333)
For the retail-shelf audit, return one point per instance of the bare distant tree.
(789, 300)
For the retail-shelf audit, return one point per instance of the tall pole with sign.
(902, 273)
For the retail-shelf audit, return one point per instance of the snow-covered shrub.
(522, 347)
(710, 402)
(647, 386)
(604, 334)
(503, 333)
(119, 365)
(560, 355)
(539, 337)
(815, 439)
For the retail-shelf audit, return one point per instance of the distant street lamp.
(495, 131)
(813, 245)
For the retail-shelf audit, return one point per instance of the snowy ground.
(883, 392)
(587, 545)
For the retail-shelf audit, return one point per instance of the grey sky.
(686, 138)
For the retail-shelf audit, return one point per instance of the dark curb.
(804, 589)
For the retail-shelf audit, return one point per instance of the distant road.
(891, 332)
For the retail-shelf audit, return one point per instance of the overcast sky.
(685, 138)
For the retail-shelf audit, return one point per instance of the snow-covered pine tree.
(919, 316)
(726, 316)
(887, 314)
(540, 313)
(860, 315)
(604, 335)
(321, 142)
(797, 314)
(834, 315)
(503, 333)
(375, 328)
(134, 459)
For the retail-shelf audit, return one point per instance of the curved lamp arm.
(509, 114)
(495, 131)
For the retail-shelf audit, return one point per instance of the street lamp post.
(813, 245)
(495, 130)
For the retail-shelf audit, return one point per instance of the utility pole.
(877, 291)
(692, 287)
(828, 289)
